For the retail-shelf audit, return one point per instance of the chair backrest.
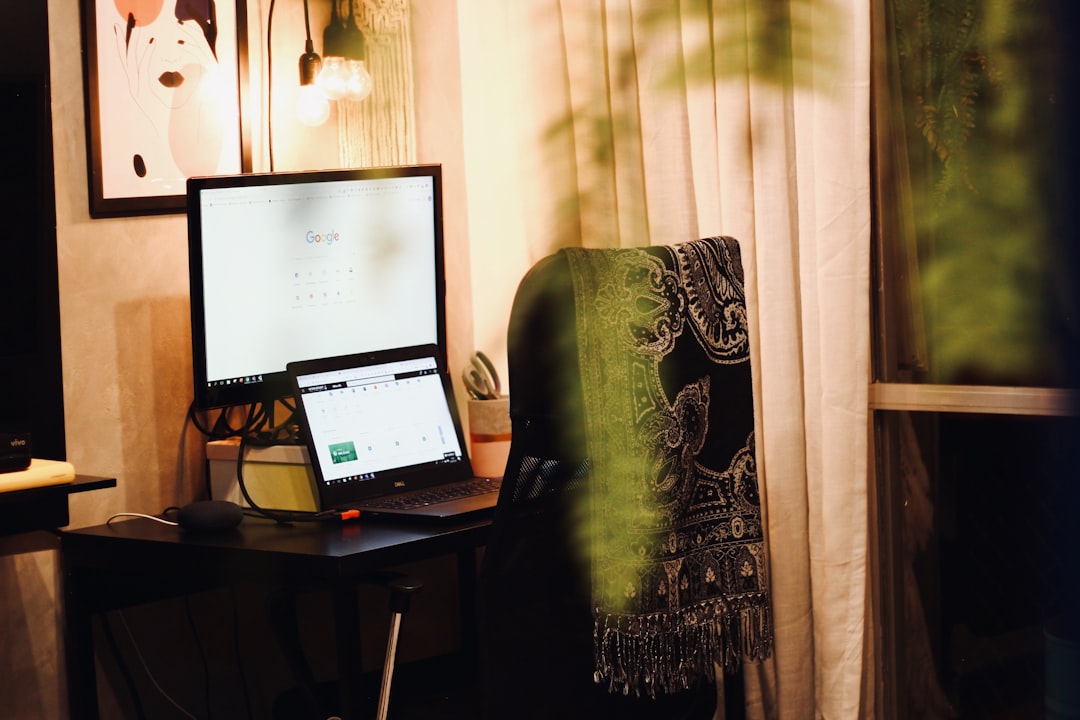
(643, 355)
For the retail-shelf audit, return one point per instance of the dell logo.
(399, 483)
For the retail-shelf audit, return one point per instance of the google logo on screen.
(314, 238)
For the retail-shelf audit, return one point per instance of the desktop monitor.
(304, 265)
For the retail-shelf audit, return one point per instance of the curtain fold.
(678, 120)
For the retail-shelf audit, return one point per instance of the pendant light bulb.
(358, 82)
(332, 77)
(312, 107)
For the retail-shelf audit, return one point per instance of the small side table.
(44, 508)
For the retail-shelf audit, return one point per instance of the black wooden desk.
(137, 560)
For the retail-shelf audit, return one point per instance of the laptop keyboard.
(435, 495)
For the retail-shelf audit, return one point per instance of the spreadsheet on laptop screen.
(369, 420)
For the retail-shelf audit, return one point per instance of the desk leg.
(467, 583)
(349, 655)
(78, 644)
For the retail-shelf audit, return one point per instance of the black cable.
(199, 425)
(281, 516)
(282, 606)
(146, 668)
(258, 423)
(308, 45)
(110, 640)
(239, 652)
(257, 427)
(267, 431)
(201, 651)
(270, 85)
(222, 429)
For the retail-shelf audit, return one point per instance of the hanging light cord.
(309, 47)
(270, 85)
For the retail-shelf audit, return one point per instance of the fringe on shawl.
(666, 653)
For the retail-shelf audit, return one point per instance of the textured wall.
(126, 332)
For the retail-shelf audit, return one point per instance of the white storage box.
(278, 477)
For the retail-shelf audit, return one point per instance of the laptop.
(382, 428)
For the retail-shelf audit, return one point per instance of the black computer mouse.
(209, 516)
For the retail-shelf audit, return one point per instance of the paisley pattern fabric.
(679, 566)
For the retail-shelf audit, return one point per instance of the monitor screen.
(304, 265)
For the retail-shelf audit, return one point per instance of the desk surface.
(258, 547)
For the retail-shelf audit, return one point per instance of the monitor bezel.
(276, 385)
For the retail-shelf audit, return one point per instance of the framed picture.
(164, 82)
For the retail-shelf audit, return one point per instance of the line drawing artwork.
(168, 94)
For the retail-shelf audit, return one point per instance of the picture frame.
(164, 98)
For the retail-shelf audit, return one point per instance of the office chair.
(626, 558)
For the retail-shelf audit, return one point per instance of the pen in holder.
(489, 435)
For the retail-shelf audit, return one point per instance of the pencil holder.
(489, 435)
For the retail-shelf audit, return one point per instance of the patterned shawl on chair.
(679, 579)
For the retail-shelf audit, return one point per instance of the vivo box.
(277, 477)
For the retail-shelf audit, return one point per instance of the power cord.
(222, 428)
(155, 518)
(269, 84)
(283, 516)
(258, 423)
(239, 651)
(201, 651)
(258, 434)
(146, 669)
(125, 671)
(259, 428)
(122, 667)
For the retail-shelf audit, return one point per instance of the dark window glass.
(986, 573)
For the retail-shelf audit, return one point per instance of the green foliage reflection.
(977, 81)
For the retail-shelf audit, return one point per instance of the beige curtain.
(629, 123)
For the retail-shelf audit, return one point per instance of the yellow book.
(40, 474)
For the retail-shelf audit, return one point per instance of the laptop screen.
(375, 426)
